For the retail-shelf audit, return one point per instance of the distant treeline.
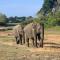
(4, 20)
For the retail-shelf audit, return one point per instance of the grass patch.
(53, 30)
(57, 28)
(7, 38)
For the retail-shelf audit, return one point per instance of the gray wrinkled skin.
(18, 33)
(32, 31)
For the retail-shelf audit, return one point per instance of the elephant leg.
(39, 38)
(36, 41)
(21, 39)
(33, 41)
(28, 42)
(17, 41)
(24, 37)
(41, 43)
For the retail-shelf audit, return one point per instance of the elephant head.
(18, 33)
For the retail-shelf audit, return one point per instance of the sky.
(20, 7)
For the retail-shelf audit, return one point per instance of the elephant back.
(28, 30)
(17, 30)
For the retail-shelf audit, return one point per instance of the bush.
(3, 19)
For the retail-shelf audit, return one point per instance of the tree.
(49, 14)
(3, 19)
(11, 19)
(48, 6)
(53, 20)
(57, 15)
(29, 18)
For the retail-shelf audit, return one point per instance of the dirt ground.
(51, 49)
(51, 41)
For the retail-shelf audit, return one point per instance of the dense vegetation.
(48, 14)
(48, 6)
(4, 20)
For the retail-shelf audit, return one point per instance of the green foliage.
(3, 19)
(53, 20)
(47, 6)
(26, 22)
(57, 15)
(16, 19)
(37, 20)
(46, 15)
(50, 19)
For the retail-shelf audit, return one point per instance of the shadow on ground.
(52, 45)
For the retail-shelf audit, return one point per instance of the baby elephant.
(18, 34)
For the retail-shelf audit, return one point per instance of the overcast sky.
(20, 7)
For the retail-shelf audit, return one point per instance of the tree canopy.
(48, 14)
(47, 6)
(3, 19)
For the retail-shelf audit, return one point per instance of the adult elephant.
(18, 34)
(34, 31)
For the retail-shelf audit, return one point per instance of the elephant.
(18, 34)
(34, 31)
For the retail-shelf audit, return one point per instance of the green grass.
(7, 38)
(53, 30)
(57, 28)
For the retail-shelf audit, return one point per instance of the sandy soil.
(51, 43)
